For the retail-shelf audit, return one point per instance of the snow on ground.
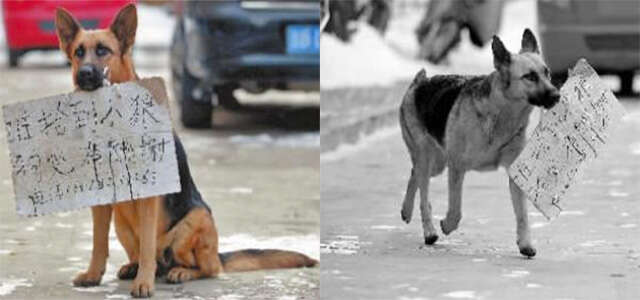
(370, 59)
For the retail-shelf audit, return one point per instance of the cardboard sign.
(569, 135)
(89, 148)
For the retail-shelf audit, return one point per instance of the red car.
(29, 25)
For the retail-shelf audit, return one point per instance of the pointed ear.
(67, 27)
(529, 42)
(501, 56)
(124, 27)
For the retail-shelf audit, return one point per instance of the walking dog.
(172, 235)
(468, 123)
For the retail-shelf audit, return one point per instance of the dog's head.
(101, 54)
(525, 75)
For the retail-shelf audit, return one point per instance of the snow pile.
(370, 59)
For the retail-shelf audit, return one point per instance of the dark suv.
(220, 46)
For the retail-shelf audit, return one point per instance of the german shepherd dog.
(473, 123)
(172, 235)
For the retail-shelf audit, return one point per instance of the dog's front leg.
(101, 215)
(519, 199)
(454, 212)
(147, 210)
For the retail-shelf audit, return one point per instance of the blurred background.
(370, 44)
(243, 78)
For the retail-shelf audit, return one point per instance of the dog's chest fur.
(475, 128)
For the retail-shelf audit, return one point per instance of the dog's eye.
(546, 72)
(102, 50)
(79, 52)
(533, 77)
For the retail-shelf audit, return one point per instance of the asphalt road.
(258, 171)
(592, 251)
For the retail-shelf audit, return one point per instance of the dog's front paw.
(87, 279)
(142, 288)
(128, 271)
(448, 225)
(179, 275)
(430, 239)
(528, 251)
(406, 216)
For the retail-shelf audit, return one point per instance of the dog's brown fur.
(143, 225)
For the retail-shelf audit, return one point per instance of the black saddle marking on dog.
(177, 205)
(434, 99)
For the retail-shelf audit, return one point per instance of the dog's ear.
(501, 56)
(124, 27)
(67, 27)
(529, 42)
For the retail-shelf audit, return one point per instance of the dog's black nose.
(552, 98)
(89, 78)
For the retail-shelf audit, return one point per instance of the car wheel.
(626, 82)
(194, 113)
(14, 57)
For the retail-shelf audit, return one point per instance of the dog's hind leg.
(409, 197)
(423, 173)
(518, 199)
(454, 212)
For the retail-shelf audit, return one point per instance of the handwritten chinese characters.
(89, 148)
(569, 135)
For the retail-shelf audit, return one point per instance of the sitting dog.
(473, 123)
(172, 235)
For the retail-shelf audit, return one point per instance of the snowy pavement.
(590, 252)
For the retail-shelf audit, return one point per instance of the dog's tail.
(409, 121)
(258, 259)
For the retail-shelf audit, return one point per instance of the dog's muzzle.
(547, 99)
(89, 78)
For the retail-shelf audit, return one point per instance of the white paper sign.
(569, 135)
(88, 148)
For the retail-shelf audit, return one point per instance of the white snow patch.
(461, 294)
(118, 296)
(593, 243)
(307, 244)
(5, 251)
(8, 285)
(533, 285)
(343, 244)
(30, 228)
(479, 260)
(63, 225)
(572, 213)
(297, 140)
(231, 297)
(74, 258)
(345, 150)
(516, 274)
(539, 224)
(629, 225)
(624, 214)
(635, 148)
(241, 190)
(535, 214)
(384, 227)
(618, 194)
(104, 288)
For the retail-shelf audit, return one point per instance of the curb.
(348, 114)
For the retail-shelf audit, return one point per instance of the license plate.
(303, 39)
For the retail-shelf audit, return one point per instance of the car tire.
(626, 83)
(194, 113)
(14, 57)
